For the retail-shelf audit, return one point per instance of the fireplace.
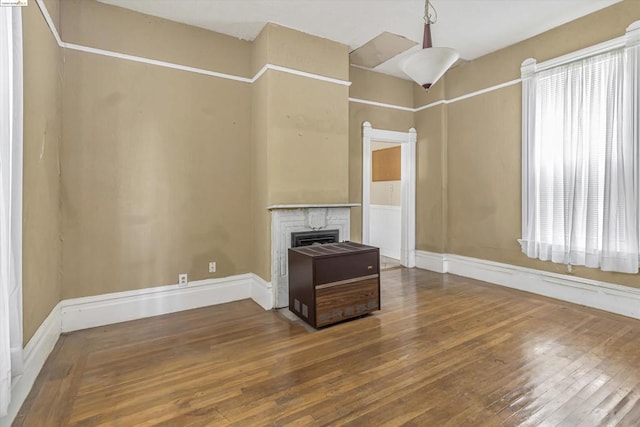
(326, 222)
(315, 237)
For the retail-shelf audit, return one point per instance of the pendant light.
(428, 65)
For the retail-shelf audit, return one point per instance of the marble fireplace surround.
(287, 219)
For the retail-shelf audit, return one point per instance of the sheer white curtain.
(632, 116)
(580, 163)
(10, 201)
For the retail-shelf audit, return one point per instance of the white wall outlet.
(212, 267)
(183, 279)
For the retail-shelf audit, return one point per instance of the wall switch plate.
(183, 279)
(212, 267)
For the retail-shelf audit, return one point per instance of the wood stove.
(334, 282)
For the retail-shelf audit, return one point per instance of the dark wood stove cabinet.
(334, 282)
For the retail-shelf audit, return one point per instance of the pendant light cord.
(430, 13)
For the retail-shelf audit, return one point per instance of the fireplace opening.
(308, 238)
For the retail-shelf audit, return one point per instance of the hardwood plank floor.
(444, 350)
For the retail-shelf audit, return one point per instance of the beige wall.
(308, 141)
(156, 162)
(483, 169)
(261, 217)
(42, 135)
(94, 24)
(306, 120)
(300, 129)
(431, 179)
(300, 51)
(371, 86)
(483, 145)
(377, 87)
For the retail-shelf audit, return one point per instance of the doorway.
(371, 213)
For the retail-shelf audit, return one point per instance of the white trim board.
(106, 309)
(610, 297)
(382, 104)
(100, 310)
(431, 261)
(135, 58)
(36, 353)
(305, 206)
(436, 103)
(262, 292)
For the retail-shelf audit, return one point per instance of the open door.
(407, 143)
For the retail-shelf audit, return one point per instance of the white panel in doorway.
(386, 227)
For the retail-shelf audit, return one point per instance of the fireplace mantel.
(286, 219)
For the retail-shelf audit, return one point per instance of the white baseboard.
(261, 292)
(610, 297)
(35, 354)
(100, 310)
(431, 261)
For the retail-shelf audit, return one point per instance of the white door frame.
(408, 185)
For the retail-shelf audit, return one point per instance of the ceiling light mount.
(428, 65)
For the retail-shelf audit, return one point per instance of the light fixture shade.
(428, 65)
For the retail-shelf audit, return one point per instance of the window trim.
(530, 66)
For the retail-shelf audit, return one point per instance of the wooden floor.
(444, 350)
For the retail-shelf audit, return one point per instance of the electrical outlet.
(183, 279)
(212, 267)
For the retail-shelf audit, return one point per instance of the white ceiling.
(473, 27)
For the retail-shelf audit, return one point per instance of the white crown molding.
(134, 58)
(35, 355)
(605, 296)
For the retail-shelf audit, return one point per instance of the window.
(581, 162)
